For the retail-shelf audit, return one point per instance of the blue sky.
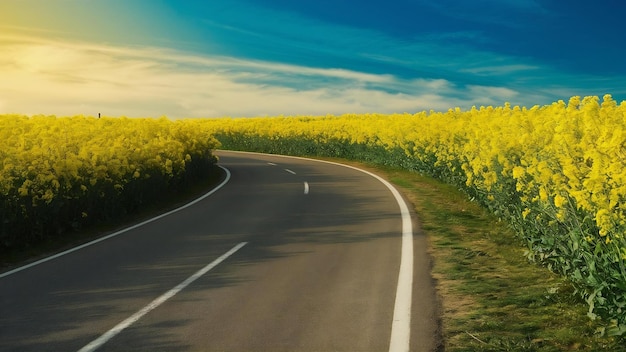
(184, 58)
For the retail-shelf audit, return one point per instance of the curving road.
(288, 255)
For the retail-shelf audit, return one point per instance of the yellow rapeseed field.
(556, 173)
(57, 174)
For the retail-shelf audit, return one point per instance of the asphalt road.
(288, 255)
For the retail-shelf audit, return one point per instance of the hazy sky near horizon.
(211, 58)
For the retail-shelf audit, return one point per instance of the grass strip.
(492, 298)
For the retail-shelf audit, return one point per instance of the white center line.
(289, 171)
(306, 187)
(97, 343)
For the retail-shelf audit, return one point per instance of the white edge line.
(121, 231)
(95, 344)
(306, 187)
(401, 325)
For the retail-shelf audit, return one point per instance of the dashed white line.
(97, 343)
(291, 172)
(272, 164)
(306, 187)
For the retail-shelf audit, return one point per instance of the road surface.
(288, 255)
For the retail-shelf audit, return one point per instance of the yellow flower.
(543, 194)
(603, 220)
(25, 189)
(518, 172)
(559, 201)
(48, 196)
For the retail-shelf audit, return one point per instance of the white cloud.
(491, 95)
(68, 78)
(437, 85)
(499, 69)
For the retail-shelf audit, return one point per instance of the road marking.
(97, 343)
(123, 230)
(401, 325)
(289, 171)
(271, 164)
(306, 187)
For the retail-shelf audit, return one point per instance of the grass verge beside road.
(492, 298)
